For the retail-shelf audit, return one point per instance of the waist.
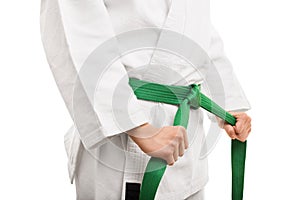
(170, 94)
(185, 96)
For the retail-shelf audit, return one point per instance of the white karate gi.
(71, 30)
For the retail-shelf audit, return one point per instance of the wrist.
(143, 131)
(221, 122)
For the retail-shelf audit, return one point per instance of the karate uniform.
(102, 158)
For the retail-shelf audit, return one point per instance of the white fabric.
(106, 179)
(71, 30)
(197, 196)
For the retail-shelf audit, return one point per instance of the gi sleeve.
(222, 82)
(71, 31)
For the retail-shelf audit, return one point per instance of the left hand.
(242, 128)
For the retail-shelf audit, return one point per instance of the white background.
(262, 39)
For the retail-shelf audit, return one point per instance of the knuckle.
(179, 138)
(177, 129)
(167, 153)
(173, 144)
(170, 152)
(182, 129)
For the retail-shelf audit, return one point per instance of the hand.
(166, 143)
(242, 128)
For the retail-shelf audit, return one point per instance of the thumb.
(230, 131)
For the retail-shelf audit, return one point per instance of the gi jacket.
(71, 31)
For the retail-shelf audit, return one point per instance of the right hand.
(166, 143)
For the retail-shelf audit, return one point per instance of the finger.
(239, 126)
(175, 154)
(241, 139)
(249, 130)
(230, 131)
(243, 128)
(239, 133)
(241, 136)
(181, 149)
(175, 147)
(170, 160)
(185, 140)
(236, 114)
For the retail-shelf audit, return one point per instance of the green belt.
(186, 97)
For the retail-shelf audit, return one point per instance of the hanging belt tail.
(186, 97)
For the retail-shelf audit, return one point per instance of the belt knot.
(194, 96)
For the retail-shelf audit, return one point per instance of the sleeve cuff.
(99, 137)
